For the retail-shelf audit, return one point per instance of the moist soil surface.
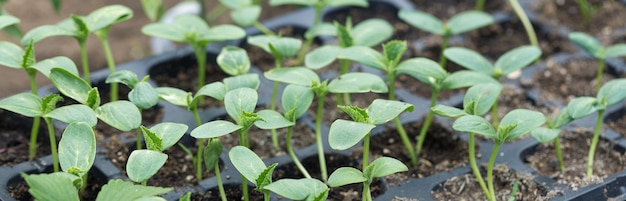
(616, 121)
(15, 132)
(232, 191)
(575, 147)
(19, 190)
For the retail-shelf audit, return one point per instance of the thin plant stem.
(53, 143)
(405, 138)
(266, 196)
(594, 143)
(494, 114)
(426, 124)
(200, 52)
(309, 41)
(34, 131)
(530, 31)
(220, 185)
(244, 188)
(559, 155)
(444, 45)
(292, 154)
(492, 160)
(85, 60)
(599, 74)
(277, 63)
(110, 63)
(366, 150)
(366, 195)
(480, 4)
(318, 136)
(138, 137)
(200, 143)
(263, 28)
(474, 165)
(345, 67)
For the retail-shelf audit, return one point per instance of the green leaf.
(142, 164)
(474, 124)
(524, 121)
(46, 65)
(7, 20)
(173, 95)
(74, 113)
(297, 98)
(153, 142)
(56, 5)
(466, 78)
(170, 133)
(294, 75)
(371, 32)
(126, 77)
(70, 84)
(236, 4)
(447, 111)
(356, 113)
(292, 2)
(223, 32)
(246, 16)
(545, 135)
(612, 92)
(93, 98)
(562, 118)
(424, 70)
(144, 96)
(480, 98)
(382, 111)
(357, 82)
(212, 153)
(234, 60)
(49, 102)
(517, 58)
(239, 101)
(25, 104)
(46, 31)
(117, 190)
(618, 50)
(469, 59)
(345, 134)
(272, 120)
(345, 176)
(285, 46)
(321, 29)
(321, 57)
(172, 32)
(469, 20)
(77, 148)
(582, 106)
(588, 43)
(343, 33)
(215, 90)
(122, 115)
(384, 166)
(250, 80)
(247, 163)
(154, 9)
(104, 17)
(364, 55)
(393, 51)
(214, 129)
(361, 3)
(28, 59)
(10, 55)
(52, 187)
(265, 177)
(422, 20)
(298, 189)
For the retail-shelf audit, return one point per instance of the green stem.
(444, 45)
(266, 195)
(366, 150)
(366, 195)
(530, 31)
(200, 143)
(492, 160)
(475, 170)
(292, 154)
(426, 124)
(220, 184)
(318, 136)
(110, 63)
(599, 74)
(494, 114)
(244, 188)
(85, 60)
(345, 67)
(594, 142)
(401, 132)
(200, 52)
(144, 183)
(34, 131)
(309, 41)
(480, 4)
(53, 143)
(263, 28)
(559, 156)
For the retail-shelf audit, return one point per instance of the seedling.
(511, 61)
(477, 101)
(530, 31)
(551, 133)
(246, 13)
(355, 82)
(380, 167)
(609, 94)
(457, 24)
(594, 48)
(318, 6)
(586, 10)
(194, 31)
(433, 75)
(253, 169)
(299, 189)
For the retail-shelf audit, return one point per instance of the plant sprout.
(609, 94)
(511, 61)
(457, 24)
(318, 6)
(551, 133)
(195, 32)
(252, 168)
(299, 189)
(530, 31)
(586, 10)
(380, 167)
(246, 13)
(594, 48)
(430, 73)
(355, 82)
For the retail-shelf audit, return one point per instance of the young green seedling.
(153, 9)
(511, 61)
(594, 48)
(551, 133)
(9, 23)
(253, 169)
(477, 101)
(433, 75)
(299, 189)
(457, 24)
(586, 10)
(367, 33)
(194, 31)
(609, 94)
(380, 167)
(246, 13)
(480, 4)
(14, 57)
(319, 6)
(530, 31)
(356, 82)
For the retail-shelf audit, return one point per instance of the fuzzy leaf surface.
(345, 134)
(122, 115)
(447, 111)
(466, 78)
(234, 60)
(612, 92)
(364, 55)
(298, 189)
(384, 166)
(469, 20)
(144, 96)
(524, 121)
(422, 20)
(118, 189)
(588, 43)
(247, 163)
(77, 148)
(74, 113)
(545, 135)
(272, 120)
(169, 133)
(10, 55)
(26, 104)
(212, 153)
(618, 50)
(357, 82)
(240, 101)
(250, 80)
(52, 187)
(582, 106)
(70, 85)
(321, 57)
(517, 58)
(173, 95)
(469, 59)
(425, 70)
(480, 98)
(214, 129)
(142, 164)
(294, 75)
(246, 16)
(344, 176)
(371, 32)
(474, 124)
(297, 98)
(382, 111)
(46, 65)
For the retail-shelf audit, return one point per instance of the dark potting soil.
(443, 9)
(232, 191)
(575, 148)
(15, 130)
(616, 121)
(607, 19)
(332, 112)
(443, 150)
(465, 187)
(19, 190)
